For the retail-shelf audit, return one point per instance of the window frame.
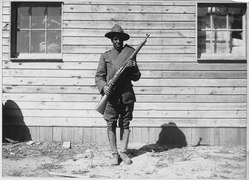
(220, 56)
(13, 35)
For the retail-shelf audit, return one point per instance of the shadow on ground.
(170, 137)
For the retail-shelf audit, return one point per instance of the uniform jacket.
(109, 63)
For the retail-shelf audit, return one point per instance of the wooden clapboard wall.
(56, 100)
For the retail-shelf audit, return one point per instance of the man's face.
(117, 43)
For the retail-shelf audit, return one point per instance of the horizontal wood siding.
(57, 100)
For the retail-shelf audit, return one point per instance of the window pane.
(203, 18)
(236, 10)
(205, 43)
(237, 43)
(220, 11)
(38, 42)
(22, 17)
(54, 41)
(22, 42)
(54, 17)
(235, 22)
(219, 22)
(220, 42)
(38, 17)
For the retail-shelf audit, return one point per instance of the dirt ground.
(51, 159)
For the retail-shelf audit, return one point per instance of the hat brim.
(124, 36)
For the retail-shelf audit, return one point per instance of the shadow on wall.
(14, 127)
(169, 137)
(172, 136)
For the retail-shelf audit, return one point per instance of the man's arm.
(100, 76)
(134, 70)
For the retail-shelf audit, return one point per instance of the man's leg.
(111, 133)
(124, 124)
(111, 117)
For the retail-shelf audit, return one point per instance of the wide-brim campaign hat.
(117, 30)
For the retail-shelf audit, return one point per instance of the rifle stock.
(102, 104)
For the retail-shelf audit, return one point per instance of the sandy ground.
(51, 159)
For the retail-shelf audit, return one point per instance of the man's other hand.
(107, 90)
(131, 63)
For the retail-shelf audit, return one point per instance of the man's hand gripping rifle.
(102, 104)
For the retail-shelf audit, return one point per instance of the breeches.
(118, 112)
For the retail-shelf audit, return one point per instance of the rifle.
(102, 104)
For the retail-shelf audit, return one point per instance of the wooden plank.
(6, 26)
(129, 25)
(166, 66)
(34, 133)
(136, 134)
(219, 137)
(146, 49)
(6, 10)
(89, 122)
(105, 16)
(185, 134)
(138, 90)
(5, 48)
(49, 73)
(140, 98)
(200, 136)
(45, 134)
(66, 133)
(137, 114)
(227, 136)
(154, 74)
(93, 134)
(135, 33)
(145, 135)
(102, 41)
(1, 54)
(77, 134)
(188, 82)
(132, 8)
(57, 134)
(101, 135)
(189, 90)
(152, 135)
(51, 89)
(6, 3)
(86, 135)
(130, 2)
(242, 136)
(5, 18)
(247, 132)
(6, 33)
(138, 106)
(140, 58)
(5, 41)
(141, 82)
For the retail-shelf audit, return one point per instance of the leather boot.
(124, 137)
(113, 145)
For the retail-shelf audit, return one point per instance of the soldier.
(121, 98)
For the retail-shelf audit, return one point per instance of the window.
(221, 31)
(36, 30)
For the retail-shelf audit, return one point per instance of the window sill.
(222, 58)
(38, 57)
